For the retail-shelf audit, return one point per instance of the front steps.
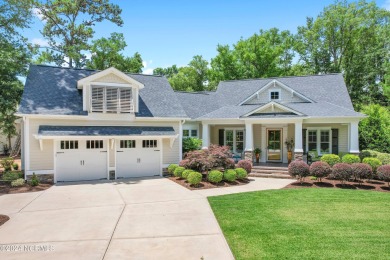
(270, 172)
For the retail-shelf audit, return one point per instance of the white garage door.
(138, 158)
(78, 160)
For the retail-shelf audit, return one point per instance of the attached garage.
(83, 152)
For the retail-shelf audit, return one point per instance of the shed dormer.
(110, 91)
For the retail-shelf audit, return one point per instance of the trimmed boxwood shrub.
(172, 167)
(383, 173)
(185, 173)
(350, 159)
(230, 175)
(342, 172)
(194, 178)
(331, 159)
(320, 170)
(17, 183)
(383, 157)
(178, 171)
(361, 171)
(298, 169)
(215, 176)
(246, 164)
(373, 162)
(241, 173)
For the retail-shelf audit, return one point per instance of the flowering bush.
(373, 162)
(361, 171)
(241, 173)
(350, 158)
(299, 169)
(384, 173)
(320, 170)
(342, 172)
(331, 159)
(246, 164)
(204, 160)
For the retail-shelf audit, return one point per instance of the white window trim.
(190, 128)
(319, 129)
(234, 129)
(275, 90)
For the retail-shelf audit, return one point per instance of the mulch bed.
(208, 185)
(3, 219)
(329, 183)
(7, 189)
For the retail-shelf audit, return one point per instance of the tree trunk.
(9, 142)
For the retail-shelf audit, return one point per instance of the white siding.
(44, 160)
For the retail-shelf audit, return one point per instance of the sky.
(172, 32)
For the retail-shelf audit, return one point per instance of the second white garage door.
(138, 158)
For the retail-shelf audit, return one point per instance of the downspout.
(181, 139)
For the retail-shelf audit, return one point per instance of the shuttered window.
(111, 100)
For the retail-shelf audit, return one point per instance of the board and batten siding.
(285, 96)
(44, 160)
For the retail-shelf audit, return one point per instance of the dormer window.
(107, 99)
(274, 95)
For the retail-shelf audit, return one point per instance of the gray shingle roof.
(329, 93)
(53, 91)
(45, 130)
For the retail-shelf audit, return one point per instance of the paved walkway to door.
(135, 219)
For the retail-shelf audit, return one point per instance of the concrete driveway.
(134, 219)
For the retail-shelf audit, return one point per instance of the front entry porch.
(270, 136)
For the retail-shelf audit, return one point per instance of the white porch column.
(298, 150)
(249, 137)
(354, 137)
(205, 135)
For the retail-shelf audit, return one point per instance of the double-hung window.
(319, 140)
(105, 99)
(190, 133)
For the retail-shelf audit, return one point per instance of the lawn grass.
(306, 224)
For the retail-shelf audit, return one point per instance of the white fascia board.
(157, 119)
(43, 116)
(274, 104)
(105, 72)
(338, 119)
(281, 85)
(103, 137)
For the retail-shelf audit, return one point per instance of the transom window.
(127, 143)
(111, 100)
(65, 145)
(94, 144)
(319, 140)
(149, 143)
(274, 95)
(190, 133)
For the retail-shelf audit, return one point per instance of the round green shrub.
(230, 175)
(194, 178)
(350, 159)
(17, 182)
(331, 159)
(373, 162)
(178, 171)
(241, 173)
(185, 173)
(172, 168)
(215, 176)
(15, 166)
(34, 180)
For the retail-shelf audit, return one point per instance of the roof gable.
(286, 93)
(273, 108)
